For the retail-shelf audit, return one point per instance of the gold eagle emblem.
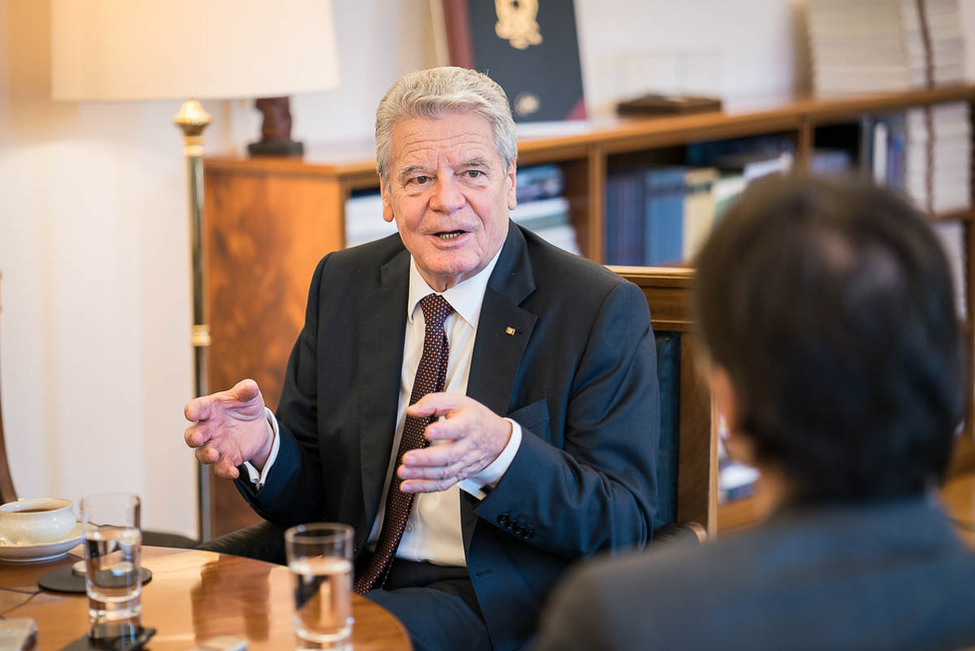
(516, 22)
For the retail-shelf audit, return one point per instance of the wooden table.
(193, 596)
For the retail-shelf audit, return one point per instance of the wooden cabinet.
(268, 221)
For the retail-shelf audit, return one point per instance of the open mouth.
(449, 235)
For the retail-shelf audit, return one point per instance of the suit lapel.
(382, 322)
(503, 331)
(503, 328)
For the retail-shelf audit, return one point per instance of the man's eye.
(419, 180)
(474, 173)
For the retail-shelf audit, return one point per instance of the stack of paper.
(884, 45)
(938, 157)
(945, 39)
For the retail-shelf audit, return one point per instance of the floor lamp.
(104, 50)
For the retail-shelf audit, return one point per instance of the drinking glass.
(320, 559)
(113, 544)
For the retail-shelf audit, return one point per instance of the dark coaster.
(64, 579)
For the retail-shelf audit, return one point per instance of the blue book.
(663, 235)
(611, 225)
(624, 218)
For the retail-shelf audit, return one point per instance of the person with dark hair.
(462, 393)
(826, 311)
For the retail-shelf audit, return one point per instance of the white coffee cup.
(36, 520)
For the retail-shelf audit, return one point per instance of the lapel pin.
(510, 331)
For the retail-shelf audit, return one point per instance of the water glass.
(113, 545)
(320, 559)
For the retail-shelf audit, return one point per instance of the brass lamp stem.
(192, 119)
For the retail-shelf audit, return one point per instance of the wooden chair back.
(668, 293)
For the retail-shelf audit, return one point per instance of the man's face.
(449, 194)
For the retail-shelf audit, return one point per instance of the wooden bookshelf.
(268, 222)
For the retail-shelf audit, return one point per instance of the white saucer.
(35, 553)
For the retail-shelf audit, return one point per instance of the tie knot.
(436, 309)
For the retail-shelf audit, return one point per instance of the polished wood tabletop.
(194, 596)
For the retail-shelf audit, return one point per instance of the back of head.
(436, 92)
(830, 305)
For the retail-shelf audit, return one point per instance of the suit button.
(503, 519)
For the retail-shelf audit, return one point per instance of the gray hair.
(436, 92)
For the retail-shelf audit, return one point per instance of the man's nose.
(447, 194)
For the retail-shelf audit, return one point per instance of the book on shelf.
(830, 161)
(754, 165)
(624, 217)
(663, 219)
(725, 190)
(539, 182)
(661, 214)
(699, 210)
(777, 150)
(878, 154)
(364, 218)
(530, 47)
(925, 153)
(739, 162)
(549, 219)
(952, 237)
(542, 207)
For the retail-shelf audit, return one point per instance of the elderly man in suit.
(479, 405)
(827, 312)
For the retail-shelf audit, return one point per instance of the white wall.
(94, 333)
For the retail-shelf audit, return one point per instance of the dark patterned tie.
(430, 377)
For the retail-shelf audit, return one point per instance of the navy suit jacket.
(578, 374)
(882, 576)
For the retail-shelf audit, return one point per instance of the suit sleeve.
(591, 486)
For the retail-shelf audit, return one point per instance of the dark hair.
(830, 305)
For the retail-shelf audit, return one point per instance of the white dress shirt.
(433, 530)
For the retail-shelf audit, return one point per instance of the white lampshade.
(202, 49)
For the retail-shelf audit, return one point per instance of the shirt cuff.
(480, 484)
(258, 478)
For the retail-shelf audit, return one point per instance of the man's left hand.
(462, 444)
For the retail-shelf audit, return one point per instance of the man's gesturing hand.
(229, 428)
(463, 444)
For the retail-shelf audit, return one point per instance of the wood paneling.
(265, 232)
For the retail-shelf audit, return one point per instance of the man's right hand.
(229, 428)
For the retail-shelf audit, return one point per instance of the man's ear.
(387, 203)
(512, 191)
(728, 406)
